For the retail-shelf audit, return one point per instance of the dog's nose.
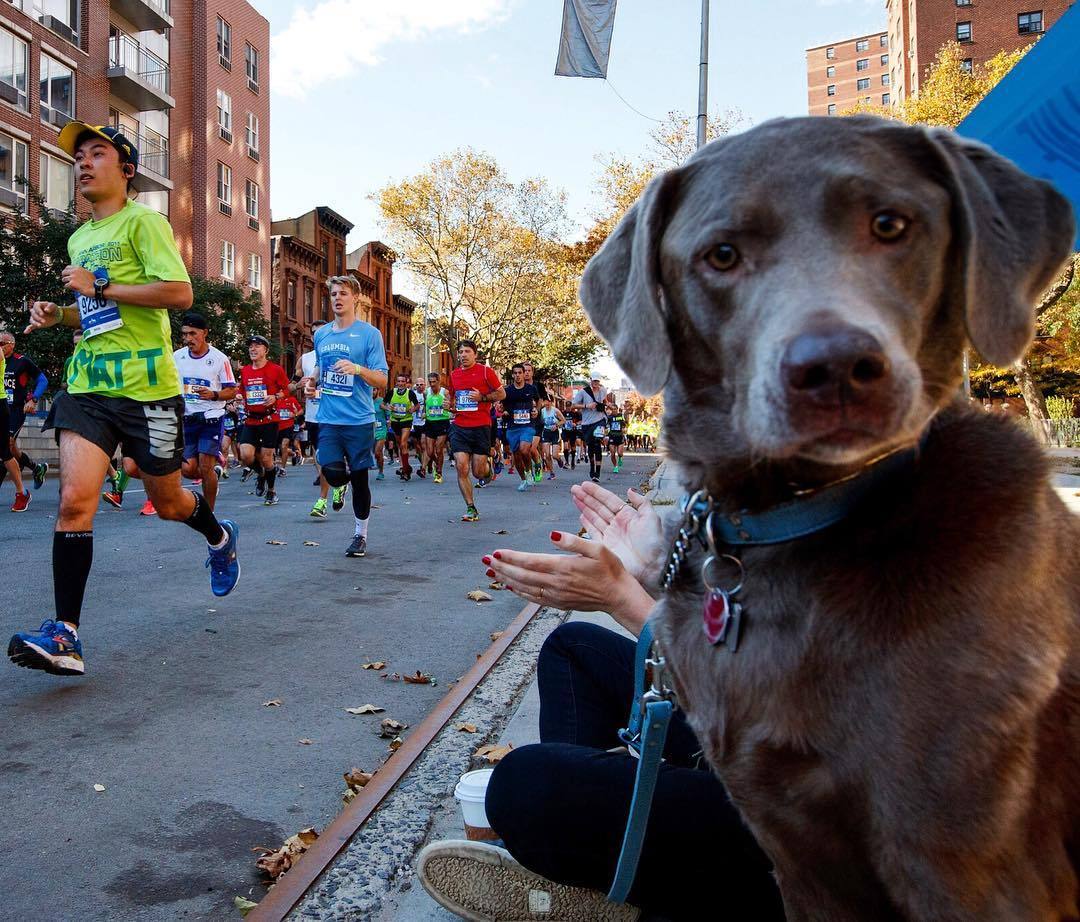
(844, 363)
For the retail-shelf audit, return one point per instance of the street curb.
(381, 853)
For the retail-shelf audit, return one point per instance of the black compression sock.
(73, 552)
(271, 478)
(361, 494)
(203, 521)
(26, 462)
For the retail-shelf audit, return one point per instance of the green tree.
(231, 316)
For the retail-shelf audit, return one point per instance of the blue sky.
(368, 92)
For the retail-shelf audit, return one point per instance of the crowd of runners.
(131, 407)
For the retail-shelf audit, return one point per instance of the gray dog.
(899, 721)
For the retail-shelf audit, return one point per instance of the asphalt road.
(170, 716)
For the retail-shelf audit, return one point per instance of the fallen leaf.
(356, 779)
(544, 502)
(478, 595)
(390, 727)
(276, 862)
(275, 541)
(495, 584)
(495, 635)
(273, 703)
(244, 905)
(365, 709)
(493, 753)
(420, 678)
(501, 531)
(311, 544)
(376, 505)
(376, 665)
(395, 743)
(466, 728)
(305, 741)
(583, 532)
(100, 788)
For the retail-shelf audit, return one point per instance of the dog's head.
(802, 291)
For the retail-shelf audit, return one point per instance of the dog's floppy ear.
(1013, 232)
(620, 288)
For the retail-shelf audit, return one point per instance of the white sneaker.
(483, 883)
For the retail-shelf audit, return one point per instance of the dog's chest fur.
(884, 661)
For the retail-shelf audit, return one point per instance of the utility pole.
(427, 344)
(703, 77)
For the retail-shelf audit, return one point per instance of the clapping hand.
(631, 530)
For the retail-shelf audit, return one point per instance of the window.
(867, 100)
(224, 184)
(863, 83)
(13, 172)
(862, 64)
(965, 65)
(863, 44)
(831, 90)
(963, 32)
(325, 306)
(57, 92)
(14, 65)
(228, 260)
(251, 65)
(1029, 23)
(885, 99)
(884, 60)
(309, 304)
(325, 258)
(963, 2)
(251, 199)
(290, 302)
(340, 261)
(254, 270)
(884, 79)
(251, 136)
(830, 53)
(830, 71)
(58, 16)
(224, 115)
(57, 181)
(883, 41)
(224, 42)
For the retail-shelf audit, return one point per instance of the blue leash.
(646, 732)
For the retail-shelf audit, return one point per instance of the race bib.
(464, 402)
(335, 384)
(98, 316)
(256, 394)
(189, 387)
(230, 424)
(615, 425)
(522, 417)
(284, 414)
(10, 395)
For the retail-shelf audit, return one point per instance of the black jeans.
(561, 805)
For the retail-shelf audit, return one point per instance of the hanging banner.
(1033, 115)
(585, 40)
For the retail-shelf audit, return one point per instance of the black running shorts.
(150, 433)
(437, 428)
(261, 435)
(5, 448)
(471, 440)
(313, 434)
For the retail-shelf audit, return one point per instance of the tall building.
(391, 314)
(919, 28)
(306, 251)
(851, 71)
(135, 65)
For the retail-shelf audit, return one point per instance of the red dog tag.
(716, 616)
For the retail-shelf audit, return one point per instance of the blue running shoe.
(524, 485)
(52, 647)
(498, 467)
(224, 567)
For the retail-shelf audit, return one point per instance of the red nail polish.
(556, 536)
(490, 572)
(486, 559)
(497, 555)
(511, 589)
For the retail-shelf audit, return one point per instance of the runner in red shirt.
(262, 383)
(288, 409)
(475, 388)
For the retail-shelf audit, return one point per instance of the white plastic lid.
(473, 785)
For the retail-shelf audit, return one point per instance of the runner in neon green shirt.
(122, 386)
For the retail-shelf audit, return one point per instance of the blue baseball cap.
(74, 132)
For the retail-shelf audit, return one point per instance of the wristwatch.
(100, 285)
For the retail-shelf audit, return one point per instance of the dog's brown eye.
(722, 257)
(888, 226)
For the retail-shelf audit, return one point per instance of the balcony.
(145, 15)
(138, 76)
(153, 173)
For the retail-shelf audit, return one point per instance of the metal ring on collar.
(716, 559)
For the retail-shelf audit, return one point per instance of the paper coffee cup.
(470, 793)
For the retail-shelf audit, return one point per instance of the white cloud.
(334, 38)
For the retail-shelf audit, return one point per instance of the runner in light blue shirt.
(349, 361)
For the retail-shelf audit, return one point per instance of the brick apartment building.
(132, 64)
(841, 74)
(982, 27)
(391, 314)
